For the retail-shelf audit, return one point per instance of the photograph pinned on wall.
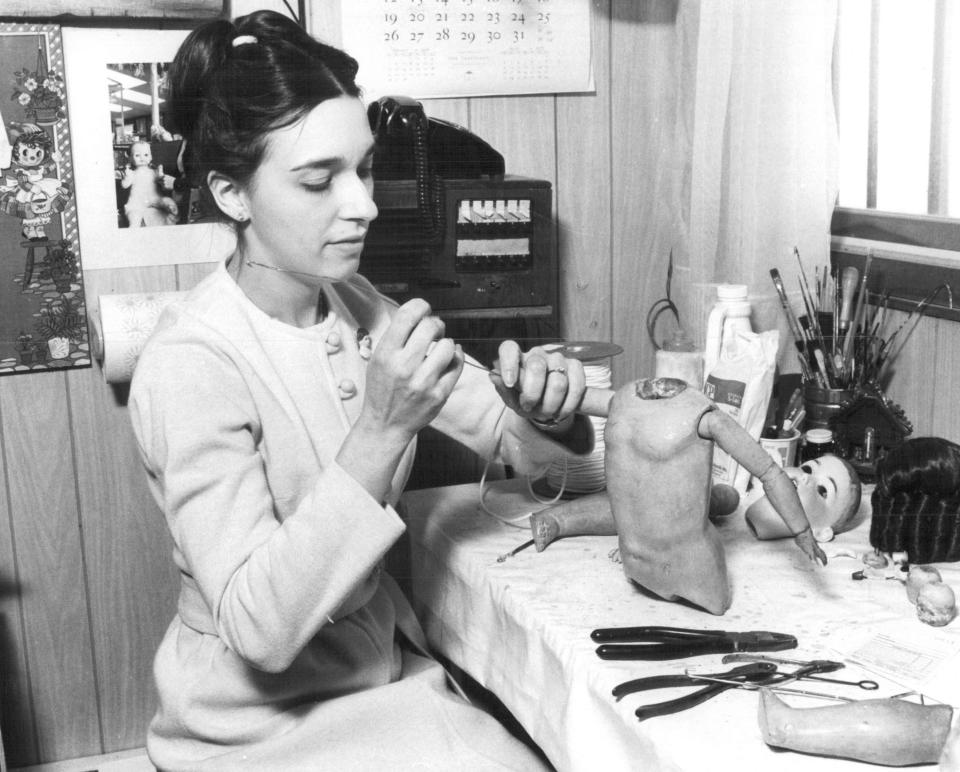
(135, 206)
(43, 316)
(150, 186)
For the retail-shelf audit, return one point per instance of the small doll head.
(140, 154)
(31, 147)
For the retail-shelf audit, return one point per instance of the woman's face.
(829, 490)
(310, 201)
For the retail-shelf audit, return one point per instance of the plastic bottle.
(730, 315)
(679, 359)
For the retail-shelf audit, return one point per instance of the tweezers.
(660, 643)
(756, 672)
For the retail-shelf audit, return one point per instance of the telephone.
(410, 145)
(452, 227)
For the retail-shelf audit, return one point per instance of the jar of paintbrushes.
(845, 348)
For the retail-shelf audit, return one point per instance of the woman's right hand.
(411, 373)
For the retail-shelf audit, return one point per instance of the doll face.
(140, 154)
(829, 490)
(29, 154)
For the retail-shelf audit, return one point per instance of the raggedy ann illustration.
(31, 189)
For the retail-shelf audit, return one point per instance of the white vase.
(59, 348)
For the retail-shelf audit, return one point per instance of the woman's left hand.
(540, 385)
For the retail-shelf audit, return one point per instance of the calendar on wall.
(455, 48)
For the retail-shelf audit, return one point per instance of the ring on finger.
(561, 370)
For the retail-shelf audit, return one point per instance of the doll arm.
(778, 487)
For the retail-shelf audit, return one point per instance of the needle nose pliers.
(660, 643)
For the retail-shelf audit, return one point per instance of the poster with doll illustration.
(43, 318)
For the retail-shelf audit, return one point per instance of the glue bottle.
(730, 315)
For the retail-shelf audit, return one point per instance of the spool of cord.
(581, 475)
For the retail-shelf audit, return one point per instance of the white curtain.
(758, 143)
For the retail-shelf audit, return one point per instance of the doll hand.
(806, 541)
(540, 385)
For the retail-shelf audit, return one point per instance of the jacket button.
(333, 342)
(347, 389)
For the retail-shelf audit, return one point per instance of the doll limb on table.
(592, 515)
(659, 441)
(890, 731)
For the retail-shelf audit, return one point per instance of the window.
(897, 87)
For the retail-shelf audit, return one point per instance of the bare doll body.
(659, 450)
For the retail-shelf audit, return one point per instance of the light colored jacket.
(239, 418)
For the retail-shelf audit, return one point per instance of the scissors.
(660, 643)
(731, 679)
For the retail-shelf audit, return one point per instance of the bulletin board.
(455, 48)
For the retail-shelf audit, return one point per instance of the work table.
(521, 628)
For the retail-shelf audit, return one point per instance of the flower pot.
(59, 348)
(45, 116)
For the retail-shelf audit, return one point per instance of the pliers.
(755, 672)
(660, 643)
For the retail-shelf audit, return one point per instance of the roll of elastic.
(580, 475)
(121, 327)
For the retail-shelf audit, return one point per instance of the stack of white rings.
(580, 475)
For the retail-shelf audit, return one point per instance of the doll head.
(829, 490)
(140, 154)
(31, 147)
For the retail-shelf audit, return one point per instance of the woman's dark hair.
(231, 83)
(916, 502)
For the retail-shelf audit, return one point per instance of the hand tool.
(805, 669)
(756, 671)
(660, 643)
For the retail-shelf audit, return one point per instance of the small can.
(816, 443)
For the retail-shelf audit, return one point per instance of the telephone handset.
(411, 146)
(407, 138)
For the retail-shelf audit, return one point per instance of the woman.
(276, 410)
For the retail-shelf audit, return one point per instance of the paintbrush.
(848, 286)
(799, 338)
(852, 329)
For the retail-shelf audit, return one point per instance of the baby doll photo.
(149, 201)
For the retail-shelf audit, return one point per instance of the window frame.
(911, 255)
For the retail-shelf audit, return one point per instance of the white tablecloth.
(521, 628)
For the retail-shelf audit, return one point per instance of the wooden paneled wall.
(87, 586)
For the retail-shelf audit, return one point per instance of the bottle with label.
(816, 443)
(729, 316)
